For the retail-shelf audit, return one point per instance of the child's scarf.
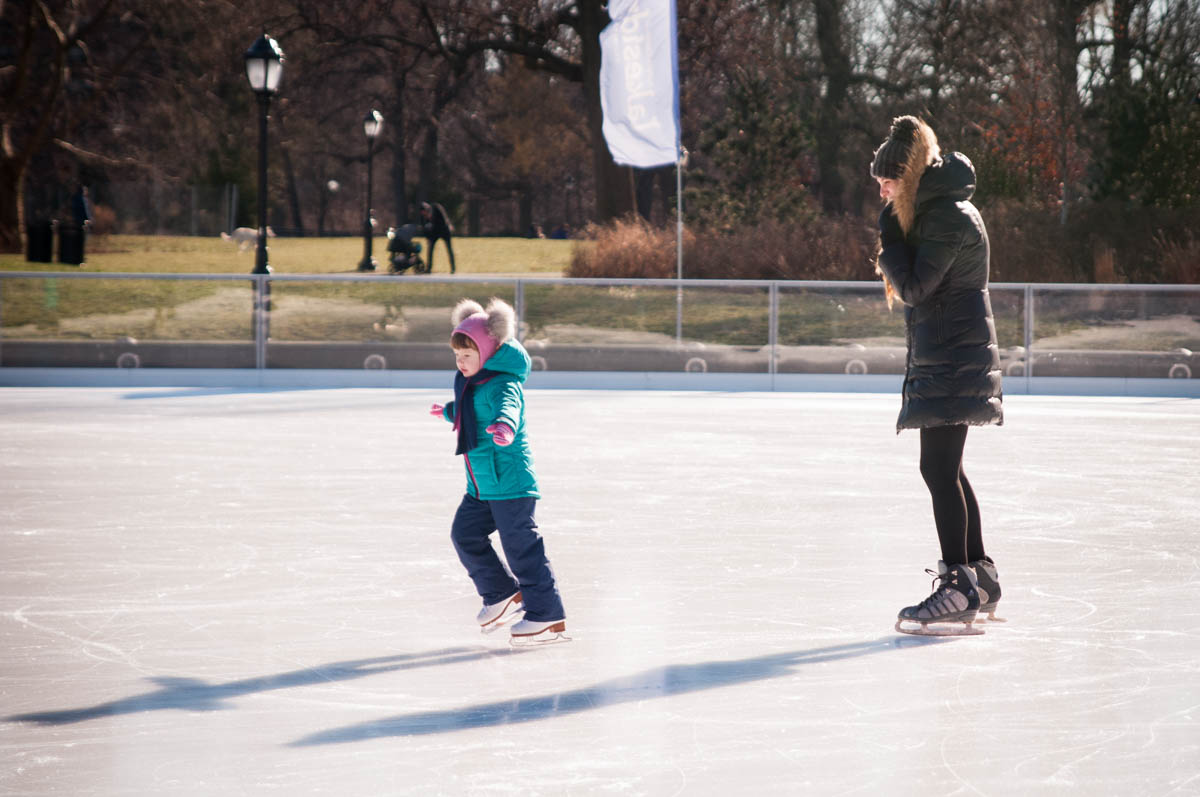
(464, 407)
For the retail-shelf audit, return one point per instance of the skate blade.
(551, 636)
(508, 618)
(538, 641)
(943, 628)
(990, 617)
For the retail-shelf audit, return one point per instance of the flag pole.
(680, 156)
(679, 217)
(639, 99)
(679, 245)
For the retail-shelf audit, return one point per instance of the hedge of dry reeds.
(839, 249)
(1101, 242)
(626, 249)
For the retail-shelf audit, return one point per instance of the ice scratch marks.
(89, 647)
(1087, 607)
(952, 755)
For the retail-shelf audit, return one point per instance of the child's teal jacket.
(499, 473)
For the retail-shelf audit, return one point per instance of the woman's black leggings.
(955, 510)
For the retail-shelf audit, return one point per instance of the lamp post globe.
(264, 67)
(372, 123)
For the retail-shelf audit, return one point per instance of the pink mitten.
(502, 434)
(436, 411)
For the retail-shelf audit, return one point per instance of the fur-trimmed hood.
(489, 329)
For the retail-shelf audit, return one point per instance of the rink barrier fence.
(685, 363)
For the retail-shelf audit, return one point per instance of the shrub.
(1028, 245)
(626, 249)
(104, 220)
(1103, 242)
(833, 249)
(837, 249)
(1180, 258)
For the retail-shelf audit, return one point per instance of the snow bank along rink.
(216, 592)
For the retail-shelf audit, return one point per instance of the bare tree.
(349, 59)
(55, 81)
(562, 38)
(1141, 64)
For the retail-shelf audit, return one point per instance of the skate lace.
(940, 582)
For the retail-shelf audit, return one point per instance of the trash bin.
(39, 246)
(70, 244)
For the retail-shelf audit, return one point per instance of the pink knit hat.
(475, 327)
(488, 329)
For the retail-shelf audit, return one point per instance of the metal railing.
(1046, 329)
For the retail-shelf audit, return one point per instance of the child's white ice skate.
(950, 610)
(527, 633)
(989, 590)
(499, 614)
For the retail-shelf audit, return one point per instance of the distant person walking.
(437, 227)
(81, 207)
(73, 240)
(934, 257)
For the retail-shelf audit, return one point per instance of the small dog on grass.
(245, 237)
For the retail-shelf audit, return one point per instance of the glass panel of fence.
(357, 322)
(385, 324)
(1130, 333)
(631, 327)
(839, 330)
(1008, 312)
(126, 323)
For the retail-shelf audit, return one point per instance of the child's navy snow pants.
(474, 523)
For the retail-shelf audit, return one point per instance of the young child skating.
(488, 413)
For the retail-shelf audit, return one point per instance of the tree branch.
(94, 158)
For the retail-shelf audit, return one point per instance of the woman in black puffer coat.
(934, 258)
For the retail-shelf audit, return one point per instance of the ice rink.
(253, 592)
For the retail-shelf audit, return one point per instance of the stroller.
(403, 252)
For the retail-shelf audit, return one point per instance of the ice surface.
(207, 592)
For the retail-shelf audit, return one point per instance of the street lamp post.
(264, 66)
(371, 125)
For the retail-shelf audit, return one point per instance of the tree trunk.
(835, 64)
(12, 205)
(400, 187)
(644, 186)
(667, 186)
(322, 208)
(525, 214)
(1122, 14)
(1065, 19)
(474, 209)
(292, 192)
(43, 77)
(614, 184)
(427, 177)
(395, 127)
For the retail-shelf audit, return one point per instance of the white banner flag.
(639, 83)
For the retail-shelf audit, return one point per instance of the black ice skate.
(950, 610)
(989, 589)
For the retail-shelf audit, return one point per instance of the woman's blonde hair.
(911, 147)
